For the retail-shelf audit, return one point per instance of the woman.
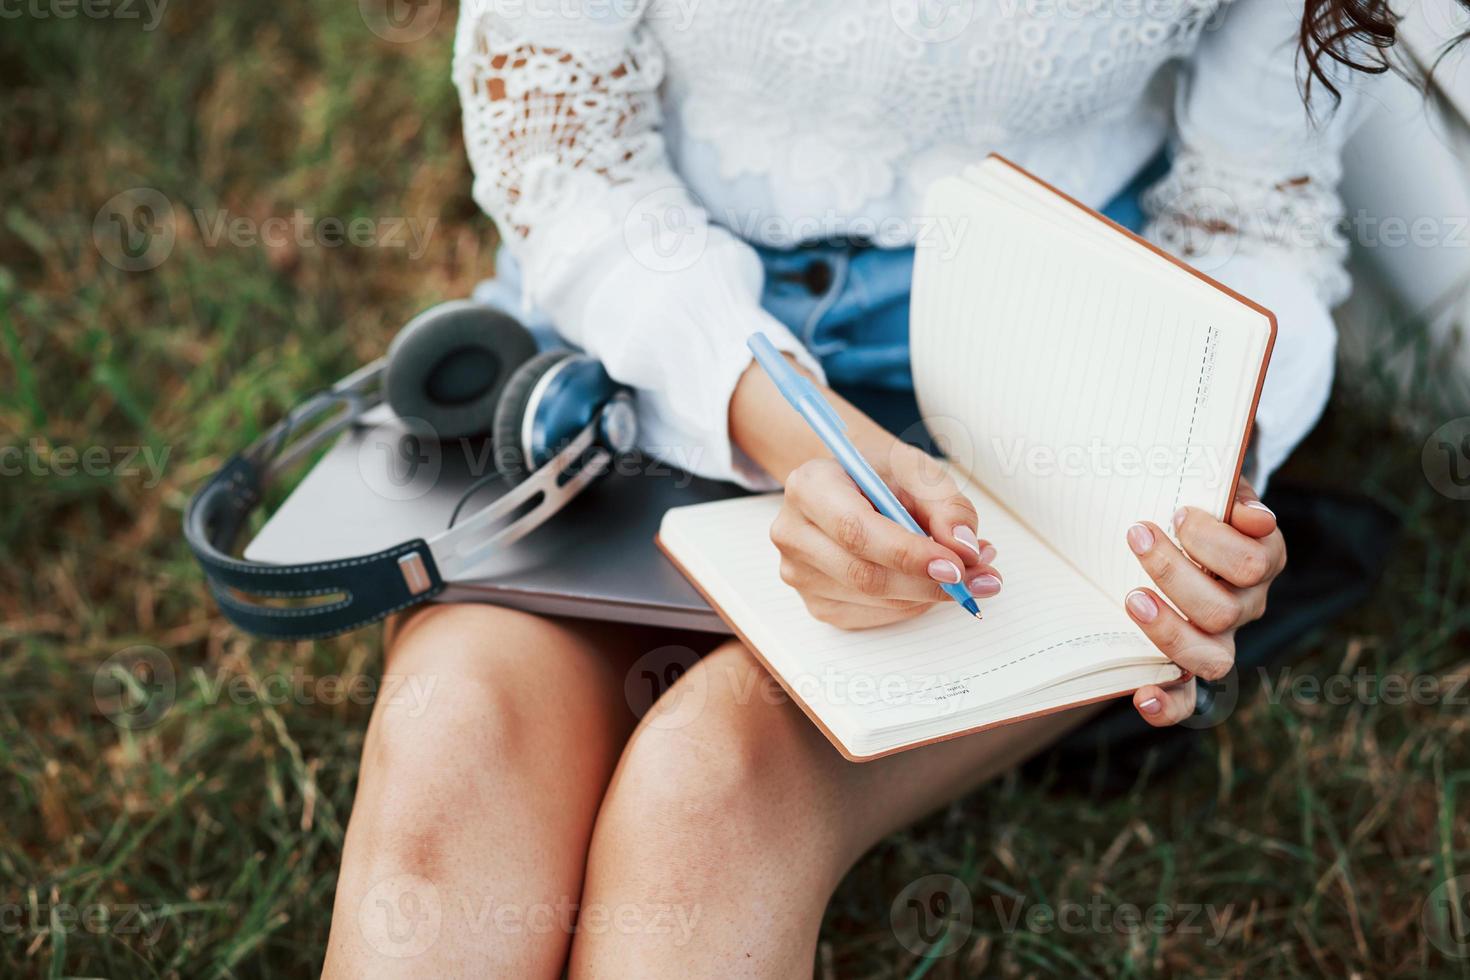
(527, 820)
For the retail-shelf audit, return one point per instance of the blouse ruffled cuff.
(1299, 378)
(669, 320)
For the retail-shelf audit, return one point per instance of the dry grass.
(211, 839)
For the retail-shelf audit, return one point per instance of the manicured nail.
(984, 585)
(1257, 505)
(1140, 539)
(944, 570)
(987, 554)
(1179, 516)
(966, 537)
(1151, 706)
(1142, 605)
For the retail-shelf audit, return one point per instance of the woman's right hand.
(853, 567)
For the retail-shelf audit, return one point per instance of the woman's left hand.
(1244, 555)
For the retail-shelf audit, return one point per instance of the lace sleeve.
(1251, 198)
(1255, 169)
(1209, 209)
(546, 103)
(561, 115)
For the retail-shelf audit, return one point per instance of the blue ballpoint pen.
(829, 427)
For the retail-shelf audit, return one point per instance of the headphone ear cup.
(510, 415)
(450, 364)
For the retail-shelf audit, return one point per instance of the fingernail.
(1179, 516)
(944, 570)
(1257, 505)
(966, 537)
(1142, 605)
(1151, 706)
(984, 585)
(987, 554)
(1140, 539)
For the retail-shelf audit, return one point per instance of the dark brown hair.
(1355, 33)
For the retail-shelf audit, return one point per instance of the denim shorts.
(847, 302)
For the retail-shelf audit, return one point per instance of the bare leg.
(726, 828)
(484, 764)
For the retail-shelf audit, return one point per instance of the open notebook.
(1078, 380)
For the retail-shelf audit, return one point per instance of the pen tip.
(973, 608)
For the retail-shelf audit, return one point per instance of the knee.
(484, 715)
(428, 725)
(426, 780)
(447, 695)
(727, 755)
(431, 767)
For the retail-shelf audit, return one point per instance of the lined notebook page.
(1082, 385)
(1048, 624)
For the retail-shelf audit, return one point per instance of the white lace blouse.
(630, 150)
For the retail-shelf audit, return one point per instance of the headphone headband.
(351, 591)
(453, 366)
(356, 591)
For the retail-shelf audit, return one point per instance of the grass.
(207, 844)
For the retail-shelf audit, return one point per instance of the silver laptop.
(596, 559)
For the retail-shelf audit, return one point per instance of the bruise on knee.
(410, 849)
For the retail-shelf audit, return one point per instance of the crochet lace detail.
(1207, 212)
(845, 95)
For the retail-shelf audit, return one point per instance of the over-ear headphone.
(449, 366)
(464, 369)
(555, 420)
